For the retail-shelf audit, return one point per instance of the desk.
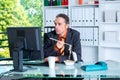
(62, 71)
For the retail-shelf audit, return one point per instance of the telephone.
(101, 63)
(95, 67)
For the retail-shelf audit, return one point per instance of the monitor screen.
(27, 39)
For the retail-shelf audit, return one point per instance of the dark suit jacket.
(73, 38)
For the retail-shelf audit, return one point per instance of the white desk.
(61, 70)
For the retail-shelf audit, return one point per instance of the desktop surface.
(62, 71)
(25, 62)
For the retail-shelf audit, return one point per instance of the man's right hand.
(56, 59)
(60, 44)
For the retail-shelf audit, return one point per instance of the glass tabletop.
(62, 71)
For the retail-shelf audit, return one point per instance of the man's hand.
(60, 44)
(56, 59)
(46, 60)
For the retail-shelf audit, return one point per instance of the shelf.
(83, 26)
(89, 45)
(110, 1)
(49, 26)
(84, 5)
(111, 23)
(110, 45)
(89, 5)
(61, 6)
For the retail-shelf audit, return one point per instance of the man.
(63, 34)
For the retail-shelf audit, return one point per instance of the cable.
(2, 74)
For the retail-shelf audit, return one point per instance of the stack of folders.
(118, 16)
(50, 15)
(112, 36)
(84, 16)
(55, 2)
(48, 29)
(88, 36)
(110, 16)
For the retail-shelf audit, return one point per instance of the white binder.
(96, 36)
(96, 16)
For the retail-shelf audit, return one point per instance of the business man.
(63, 34)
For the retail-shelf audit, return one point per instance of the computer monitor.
(27, 39)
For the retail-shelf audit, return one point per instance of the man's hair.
(64, 16)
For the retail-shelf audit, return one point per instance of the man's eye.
(55, 23)
(59, 23)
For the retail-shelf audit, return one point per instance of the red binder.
(64, 2)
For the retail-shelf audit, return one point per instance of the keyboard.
(35, 62)
(31, 62)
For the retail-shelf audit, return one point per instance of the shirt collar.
(64, 36)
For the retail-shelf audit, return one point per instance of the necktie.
(61, 51)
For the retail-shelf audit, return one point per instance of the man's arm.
(49, 49)
(49, 46)
(77, 45)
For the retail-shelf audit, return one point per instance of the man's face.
(60, 25)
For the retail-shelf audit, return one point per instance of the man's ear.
(67, 25)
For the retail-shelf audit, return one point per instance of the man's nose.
(56, 26)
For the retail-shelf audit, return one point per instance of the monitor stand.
(18, 60)
(18, 55)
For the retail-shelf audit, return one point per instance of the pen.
(70, 47)
(58, 40)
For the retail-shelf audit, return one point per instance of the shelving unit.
(109, 46)
(89, 19)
